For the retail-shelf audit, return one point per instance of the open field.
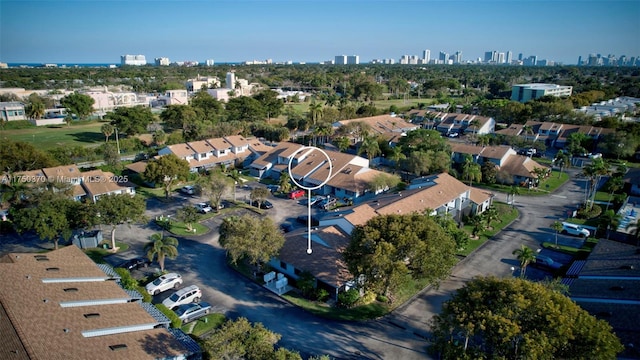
(44, 138)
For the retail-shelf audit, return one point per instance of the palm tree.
(162, 247)
(594, 173)
(491, 215)
(609, 220)
(396, 155)
(528, 130)
(237, 178)
(474, 124)
(525, 255)
(478, 223)
(614, 184)
(557, 227)
(561, 161)
(513, 191)
(370, 146)
(107, 130)
(471, 171)
(35, 110)
(315, 112)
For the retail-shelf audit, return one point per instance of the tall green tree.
(188, 214)
(561, 160)
(557, 228)
(471, 171)
(609, 220)
(390, 249)
(79, 104)
(214, 186)
(369, 146)
(167, 170)
(35, 110)
(162, 248)
(492, 318)
(259, 195)
(107, 130)
(178, 116)
(22, 156)
(120, 209)
(247, 237)
(131, 120)
(525, 256)
(239, 339)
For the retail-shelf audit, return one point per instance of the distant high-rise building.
(133, 60)
(231, 80)
(341, 60)
(526, 92)
(579, 60)
(443, 57)
(500, 59)
(162, 61)
(210, 62)
(488, 56)
(509, 57)
(530, 61)
(353, 59)
(457, 57)
(520, 56)
(426, 56)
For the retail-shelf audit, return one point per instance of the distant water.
(102, 65)
(68, 65)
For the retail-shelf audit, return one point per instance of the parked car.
(273, 188)
(315, 199)
(286, 227)
(164, 283)
(304, 219)
(191, 312)
(263, 205)
(187, 295)
(546, 262)
(189, 190)
(135, 263)
(327, 203)
(453, 134)
(203, 208)
(296, 194)
(574, 229)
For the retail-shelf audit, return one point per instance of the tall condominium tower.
(353, 59)
(509, 58)
(426, 56)
(341, 60)
(133, 60)
(231, 80)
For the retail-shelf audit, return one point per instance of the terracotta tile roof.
(98, 182)
(181, 150)
(325, 262)
(219, 143)
(237, 140)
(447, 188)
(200, 147)
(62, 173)
(49, 329)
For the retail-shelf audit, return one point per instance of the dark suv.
(135, 263)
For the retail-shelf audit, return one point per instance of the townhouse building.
(448, 123)
(11, 111)
(552, 133)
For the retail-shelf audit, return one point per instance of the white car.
(164, 283)
(574, 229)
(189, 190)
(203, 208)
(183, 296)
(190, 312)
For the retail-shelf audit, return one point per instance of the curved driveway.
(399, 335)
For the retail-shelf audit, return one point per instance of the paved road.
(400, 335)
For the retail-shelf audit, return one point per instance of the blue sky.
(99, 31)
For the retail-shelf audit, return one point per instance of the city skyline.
(313, 31)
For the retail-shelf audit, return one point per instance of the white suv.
(164, 283)
(183, 296)
(574, 229)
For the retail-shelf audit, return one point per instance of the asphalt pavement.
(402, 334)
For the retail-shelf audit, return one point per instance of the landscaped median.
(580, 253)
(179, 228)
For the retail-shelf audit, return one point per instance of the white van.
(575, 230)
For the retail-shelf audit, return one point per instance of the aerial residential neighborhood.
(289, 181)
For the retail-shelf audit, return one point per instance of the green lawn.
(548, 185)
(98, 254)
(180, 229)
(506, 214)
(204, 325)
(47, 137)
(363, 312)
(603, 196)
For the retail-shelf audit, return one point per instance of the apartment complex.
(135, 60)
(526, 92)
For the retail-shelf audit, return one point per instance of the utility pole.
(117, 143)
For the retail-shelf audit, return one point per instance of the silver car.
(163, 283)
(193, 311)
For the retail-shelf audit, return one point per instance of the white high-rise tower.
(426, 56)
(231, 80)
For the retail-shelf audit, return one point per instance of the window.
(92, 315)
(118, 347)
(53, 269)
(41, 258)
(71, 290)
(297, 271)
(283, 264)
